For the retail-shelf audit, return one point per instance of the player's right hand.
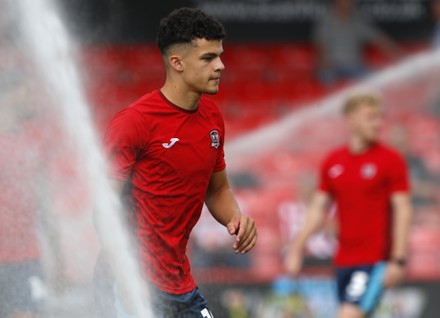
(293, 262)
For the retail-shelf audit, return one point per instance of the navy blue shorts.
(361, 285)
(165, 305)
(20, 288)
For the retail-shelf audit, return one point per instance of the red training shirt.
(168, 155)
(362, 185)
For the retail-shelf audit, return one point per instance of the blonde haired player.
(368, 182)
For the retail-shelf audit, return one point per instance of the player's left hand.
(244, 227)
(394, 274)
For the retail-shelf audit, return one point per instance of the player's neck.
(181, 96)
(358, 145)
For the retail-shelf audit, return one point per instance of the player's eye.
(208, 58)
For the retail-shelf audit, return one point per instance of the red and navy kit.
(168, 155)
(361, 186)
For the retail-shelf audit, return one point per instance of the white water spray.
(269, 137)
(51, 49)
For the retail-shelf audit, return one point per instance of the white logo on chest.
(171, 143)
(368, 171)
(336, 171)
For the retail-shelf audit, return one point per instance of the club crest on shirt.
(215, 138)
(336, 171)
(368, 171)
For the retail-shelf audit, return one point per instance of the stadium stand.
(261, 84)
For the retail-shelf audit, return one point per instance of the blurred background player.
(292, 215)
(340, 38)
(368, 182)
(168, 147)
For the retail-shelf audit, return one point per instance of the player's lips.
(217, 79)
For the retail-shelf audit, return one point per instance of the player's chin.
(211, 90)
(373, 137)
(370, 136)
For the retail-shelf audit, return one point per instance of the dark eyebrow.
(211, 55)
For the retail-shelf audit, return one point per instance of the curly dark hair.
(184, 25)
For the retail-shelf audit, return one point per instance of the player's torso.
(170, 180)
(361, 189)
(181, 153)
(364, 175)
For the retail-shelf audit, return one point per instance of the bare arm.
(220, 200)
(402, 213)
(224, 208)
(315, 219)
(316, 215)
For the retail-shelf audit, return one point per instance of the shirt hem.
(174, 291)
(359, 262)
(220, 169)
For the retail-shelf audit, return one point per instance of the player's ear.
(175, 61)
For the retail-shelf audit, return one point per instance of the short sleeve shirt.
(168, 155)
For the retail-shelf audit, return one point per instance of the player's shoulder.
(147, 102)
(144, 108)
(389, 152)
(135, 113)
(334, 157)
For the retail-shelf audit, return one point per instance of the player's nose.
(219, 66)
